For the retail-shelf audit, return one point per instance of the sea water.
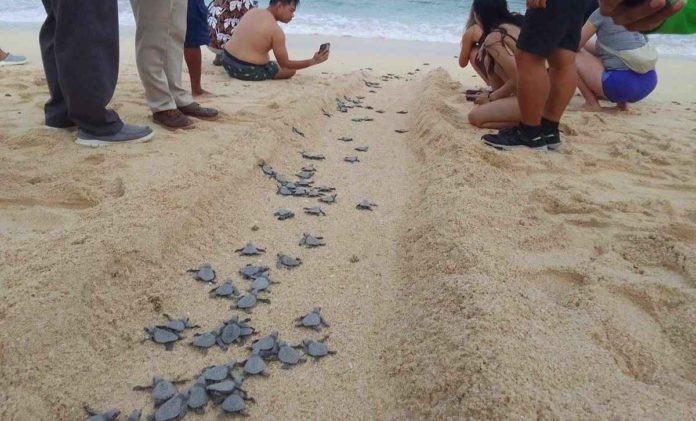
(413, 20)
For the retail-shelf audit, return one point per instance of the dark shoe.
(172, 120)
(195, 110)
(218, 60)
(127, 134)
(552, 139)
(508, 140)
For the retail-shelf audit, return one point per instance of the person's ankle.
(530, 131)
(549, 125)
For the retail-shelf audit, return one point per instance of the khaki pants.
(159, 44)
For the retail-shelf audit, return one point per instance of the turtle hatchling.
(313, 156)
(365, 205)
(248, 301)
(298, 132)
(313, 193)
(252, 272)
(316, 349)
(203, 341)
(312, 320)
(400, 131)
(255, 365)
(284, 190)
(362, 148)
(288, 262)
(351, 159)
(311, 241)
(250, 250)
(198, 398)
(110, 415)
(288, 355)
(309, 168)
(233, 331)
(234, 404)
(226, 290)
(163, 336)
(328, 199)
(402, 112)
(205, 273)
(162, 390)
(135, 415)
(283, 214)
(326, 189)
(266, 347)
(304, 183)
(267, 169)
(177, 325)
(219, 391)
(345, 139)
(305, 175)
(316, 211)
(261, 283)
(300, 191)
(172, 410)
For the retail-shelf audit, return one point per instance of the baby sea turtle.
(110, 415)
(401, 131)
(163, 336)
(135, 415)
(203, 341)
(261, 283)
(288, 355)
(217, 373)
(311, 241)
(362, 148)
(226, 290)
(362, 119)
(351, 159)
(204, 273)
(316, 211)
(369, 107)
(252, 272)
(162, 390)
(304, 183)
(312, 156)
(198, 398)
(300, 191)
(283, 214)
(380, 111)
(312, 320)
(298, 132)
(328, 199)
(233, 331)
(288, 262)
(267, 347)
(267, 169)
(402, 112)
(365, 205)
(284, 191)
(326, 189)
(177, 325)
(280, 178)
(248, 301)
(255, 365)
(250, 250)
(219, 391)
(305, 175)
(345, 139)
(316, 349)
(234, 404)
(313, 193)
(174, 409)
(309, 168)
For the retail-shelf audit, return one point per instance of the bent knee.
(476, 119)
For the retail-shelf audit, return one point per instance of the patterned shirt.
(223, 17)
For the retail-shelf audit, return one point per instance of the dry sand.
(488, 285)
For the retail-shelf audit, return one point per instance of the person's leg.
(151, 39)
(533, 87)
(194, 62)
(284, 74)
(590, 71)
(564, 80)
(174, 59)
(87, 81)
(500, 114)
(55, 110)
(478, 65)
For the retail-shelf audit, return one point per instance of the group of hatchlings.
(222, 384)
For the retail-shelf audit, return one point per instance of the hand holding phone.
(324, 47)
(640, 15)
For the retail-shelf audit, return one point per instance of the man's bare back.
(253, 38)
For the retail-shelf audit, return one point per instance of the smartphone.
(324, 47)
(637, 2)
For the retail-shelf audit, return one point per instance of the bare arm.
(506, 62)
(644, 17)
(281, 54)
(470, 37)
(587, 31)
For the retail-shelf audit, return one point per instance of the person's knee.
(563, 59)
(476, 118)
(285, 74)
(527, 60)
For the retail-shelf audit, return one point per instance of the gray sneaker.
(13, 60)
(128, 134)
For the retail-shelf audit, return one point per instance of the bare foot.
(622, 106)
(202, 93)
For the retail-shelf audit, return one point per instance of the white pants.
(159, 45)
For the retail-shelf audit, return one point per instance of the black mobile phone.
(325, 47)
(637, 2)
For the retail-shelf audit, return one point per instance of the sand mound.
(550, 286)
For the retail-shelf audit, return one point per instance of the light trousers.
(159, 44)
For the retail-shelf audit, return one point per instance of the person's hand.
(647, 16)
(483, 99)
(536, 4)
(320, 57)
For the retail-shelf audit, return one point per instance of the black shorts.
(559, 25)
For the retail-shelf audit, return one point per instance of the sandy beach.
(484, 285)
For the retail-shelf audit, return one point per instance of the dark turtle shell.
(223, 388)
(225, 290)
(362, 148)
(288, 355)
(163, 391)
(230, 333)
(254, 365)
(174, 409)
(162, 336)
(204, 273)
(233, 404)
(205, 340)
(135, 415)
(252, 272)
(110, 415)
(266, 343)
(198, 397)
(247, 301)
(315, 349)
(260, 284)
(283, 214)
(216, 373)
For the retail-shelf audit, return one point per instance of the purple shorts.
(628, 86)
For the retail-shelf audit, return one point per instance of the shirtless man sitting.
(246, 54)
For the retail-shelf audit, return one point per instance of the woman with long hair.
(470, 46)
(497, 109)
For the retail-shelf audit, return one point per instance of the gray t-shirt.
(615, 37)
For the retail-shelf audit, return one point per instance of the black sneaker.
(552, 139)
(508, 140)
